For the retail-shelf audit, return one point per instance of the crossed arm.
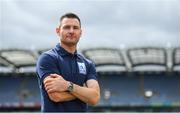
(56, 88)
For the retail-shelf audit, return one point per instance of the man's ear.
(57, 30)
(81, 33)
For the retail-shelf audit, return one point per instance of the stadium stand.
(18, 83)
(148, 59)
(145, 85)
(106, 59)
(4, 66)
(176, 60)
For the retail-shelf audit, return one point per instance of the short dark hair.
(70, 15)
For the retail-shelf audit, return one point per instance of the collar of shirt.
(63, 52)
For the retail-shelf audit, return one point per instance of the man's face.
(69, 31)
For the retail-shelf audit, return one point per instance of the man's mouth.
(70, 37)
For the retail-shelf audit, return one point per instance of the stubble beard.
(70, 44)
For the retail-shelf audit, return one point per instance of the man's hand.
(89, 93)
(55, 83)
(56, 88)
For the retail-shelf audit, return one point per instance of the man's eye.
(76, 27)
(66, 27)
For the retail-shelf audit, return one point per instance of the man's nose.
(71, 30)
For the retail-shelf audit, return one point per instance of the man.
(67, 80)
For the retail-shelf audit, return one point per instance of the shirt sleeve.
(92, 72)
(46, 65)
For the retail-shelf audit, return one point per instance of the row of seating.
(19, 89)
(115, 90)
(148, 90)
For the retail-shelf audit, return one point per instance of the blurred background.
(135, 45)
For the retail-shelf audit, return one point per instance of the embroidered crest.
(82, 68)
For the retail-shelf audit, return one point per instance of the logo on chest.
(82, 68)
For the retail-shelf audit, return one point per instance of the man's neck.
(70, 49)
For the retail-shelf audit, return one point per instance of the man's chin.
(70, 43)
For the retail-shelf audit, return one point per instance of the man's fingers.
(54, 75)
(50, 91)
(47, 84)
(48, 79)
(49, 88)
(51, 78)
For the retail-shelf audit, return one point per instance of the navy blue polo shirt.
(72, 67)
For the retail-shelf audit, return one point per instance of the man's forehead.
(70, 21)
